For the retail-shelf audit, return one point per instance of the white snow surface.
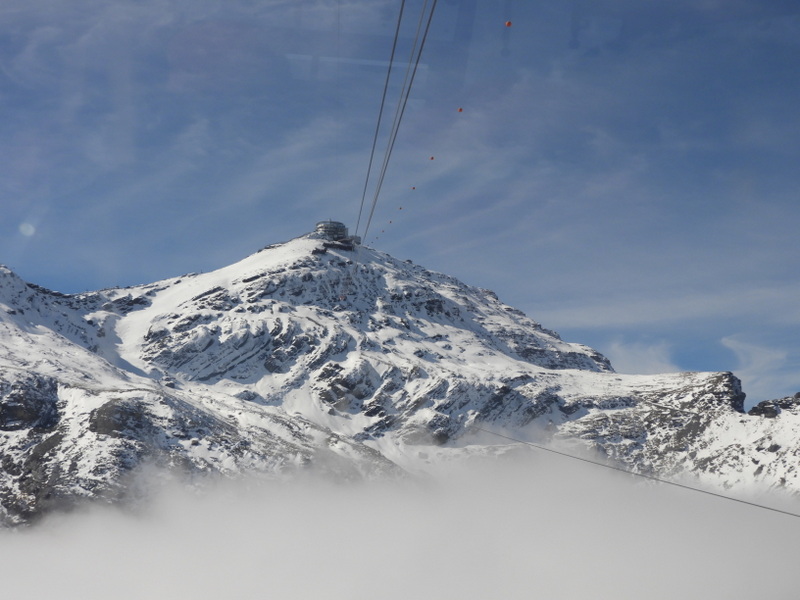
(359, 364)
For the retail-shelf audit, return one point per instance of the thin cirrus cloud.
(764, 368)
(640, 357)
(616, 164)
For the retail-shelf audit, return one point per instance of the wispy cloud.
(616, 165)
(770, 304)
(641, 357)
(766, 371)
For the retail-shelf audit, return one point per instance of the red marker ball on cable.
(508, 23)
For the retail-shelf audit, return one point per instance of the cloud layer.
(537, 526)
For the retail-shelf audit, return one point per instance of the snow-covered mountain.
(340, 357)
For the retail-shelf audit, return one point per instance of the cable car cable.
(401, 106)
(380, 112)
(635, 474)
(405, 93)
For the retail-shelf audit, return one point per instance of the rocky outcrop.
(773, 408)
(27, 401)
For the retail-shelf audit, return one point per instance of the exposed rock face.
(773, 408)
(342, 359)
(28, 401)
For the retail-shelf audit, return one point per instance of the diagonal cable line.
(380, 112)
(401, 107)
(408, 81)
(642, 475)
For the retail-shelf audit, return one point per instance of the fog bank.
(534, 528)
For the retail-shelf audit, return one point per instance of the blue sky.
(623, 171)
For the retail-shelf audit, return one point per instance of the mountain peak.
(316, 351)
